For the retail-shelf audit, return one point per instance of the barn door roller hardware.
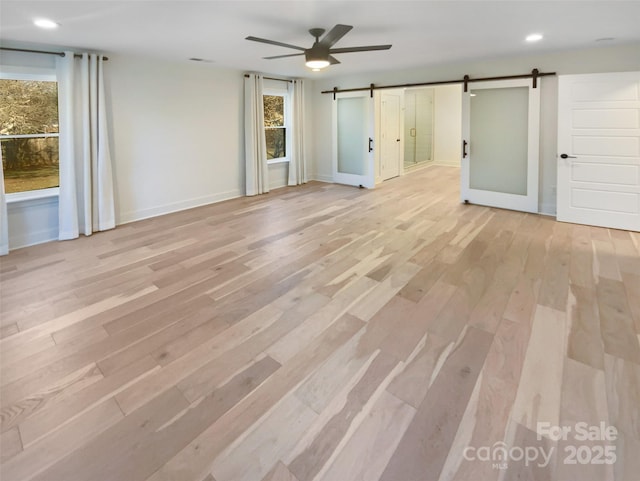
(466, 80)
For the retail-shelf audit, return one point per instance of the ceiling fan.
(320, 54)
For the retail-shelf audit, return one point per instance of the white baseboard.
(448, 163)
(134, 216)
(321, 178)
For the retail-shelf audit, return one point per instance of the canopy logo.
(578, 444)
(499, 454)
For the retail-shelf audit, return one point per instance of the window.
(275, 126)
(29, 132)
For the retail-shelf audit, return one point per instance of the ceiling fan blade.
(273, 42)
(360, 49)
(333, 60)
(283, 56)
(335, 34)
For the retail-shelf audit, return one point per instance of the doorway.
(418, 127)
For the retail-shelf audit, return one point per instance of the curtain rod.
(271, 78)
(60, 54)
(534, 75)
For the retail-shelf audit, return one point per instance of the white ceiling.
(422, 32)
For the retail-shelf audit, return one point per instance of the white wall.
(32, 221)
(447, 129)
(176, 135)
(606, 59)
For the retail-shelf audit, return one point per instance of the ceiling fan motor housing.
(317, 52)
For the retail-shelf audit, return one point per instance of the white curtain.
(257, 171)
(297, 162)
(86, 202)
(4, 227)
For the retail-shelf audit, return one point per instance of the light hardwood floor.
(322, 333)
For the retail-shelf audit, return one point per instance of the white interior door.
(353, 139)
(389, 136)
(500, 132)
(599, 150)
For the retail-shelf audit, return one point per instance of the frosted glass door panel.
(352, 160)
(353, 138)
(499, 140)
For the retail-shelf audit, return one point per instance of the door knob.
(565, 156)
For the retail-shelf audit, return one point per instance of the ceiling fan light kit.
(319, 56)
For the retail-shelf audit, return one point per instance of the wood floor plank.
(581, 263)
(368, 451)
(279, 473)
(292, 342)
(57, 414)
(605, 263)
(412, 328)
(382, 293)
(486, 418)
(553, 290)
(319, 332)
(522, 302)
(538, 397)
(622, 379)
(616, 322)
(541, 469)
(194, 367)
(197, 457)
(584, 400)
(424, 446)
(123, 439)
(584, 341)
(10, 444)
(20, 400)
(261, 443)
(310, 462)
(412, 384)
(322, 386)
(27, 464)
(632, 287)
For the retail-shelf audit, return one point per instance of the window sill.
(277, 161)
(32, 195)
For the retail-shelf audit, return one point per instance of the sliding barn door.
(500, 131)
(353, 127)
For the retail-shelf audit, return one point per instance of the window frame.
(280, 89)
(42, 75)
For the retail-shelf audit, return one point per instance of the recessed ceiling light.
(534, 37)
(45, 23)
(315, 70)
